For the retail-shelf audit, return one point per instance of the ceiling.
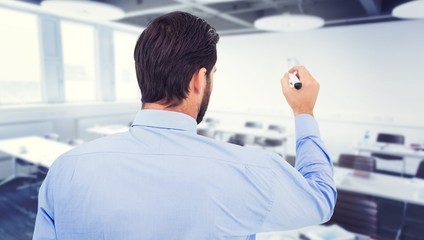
(237, 17)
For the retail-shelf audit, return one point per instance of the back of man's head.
(167, 54)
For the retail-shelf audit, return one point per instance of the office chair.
(252, 140)
(412, 219)
(252, 124)
(209, 131)
(244, 139)
(358, 162)
(413, 223)
(357, 213)
(274, 142)
(346, 160)
(52, 136)
(211, 121)
(420, 170)
(237, 139)
(75, 141)
(390, 139)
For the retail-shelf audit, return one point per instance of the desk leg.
(221, 136)
(15, 174)
(403, 167)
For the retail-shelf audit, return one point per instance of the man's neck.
(182, 108)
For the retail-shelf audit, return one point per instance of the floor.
(18, 208)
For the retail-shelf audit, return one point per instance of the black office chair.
(356, 213)
(211, 121)
(253, 124)
(413, 223)
(209, 130)
(52, 136)
(390, 139)
(346, 160)
(358, 162)
(412, 220)
(244, 139)
(75, 141)
(420, 170)
(268, 142)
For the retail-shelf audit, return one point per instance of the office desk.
(108, 129)
(313, 232)
(394, 149)
(34, 149)
(381, 185)
(411, 157)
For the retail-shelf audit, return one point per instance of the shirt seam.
(271, 203)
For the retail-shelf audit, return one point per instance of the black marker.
(294, 81)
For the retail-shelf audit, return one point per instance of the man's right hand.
(302, 100)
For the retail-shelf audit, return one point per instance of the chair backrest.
(358, 162)
(211, 121)
(277, 128)
(272, 142)
(239, 139)
(249, 139)
(420, 170)
(364, 163)
(413, 224)
(391, 138)
(210, 133)
(52, 136)
(252, 124)
(346, 160)
(268, 142)
(357, 213)
(75, 141)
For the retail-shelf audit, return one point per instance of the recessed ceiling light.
(413, 9)
(289, 22)
(84, 8)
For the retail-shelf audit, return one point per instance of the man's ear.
(199, 80)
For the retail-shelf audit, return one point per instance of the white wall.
(371, 76)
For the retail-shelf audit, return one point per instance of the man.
(161, 180)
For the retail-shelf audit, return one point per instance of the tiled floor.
(18, 206)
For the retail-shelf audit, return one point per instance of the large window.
(126, 87)
(20, 74)
(79, 61)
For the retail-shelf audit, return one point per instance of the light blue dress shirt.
(160, 180)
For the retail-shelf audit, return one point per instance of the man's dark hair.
(167, 54)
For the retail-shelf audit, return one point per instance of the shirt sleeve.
(44, 222)
(304, 195)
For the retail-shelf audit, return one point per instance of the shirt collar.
(165, 119)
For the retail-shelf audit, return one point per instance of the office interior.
(69, 80)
